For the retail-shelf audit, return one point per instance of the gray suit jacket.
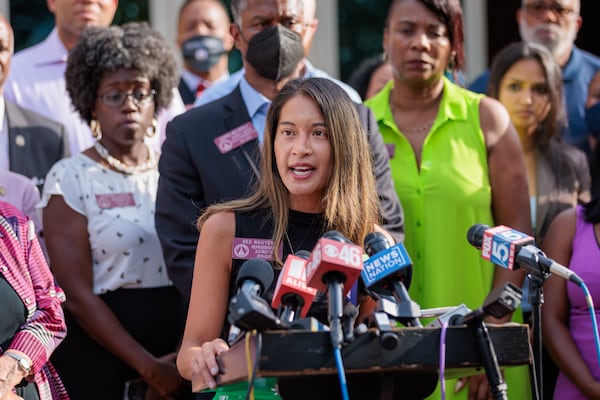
(35, 143)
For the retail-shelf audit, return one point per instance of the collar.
(452, 107)
(192, 80)
(252, 98)
(573, 67)
(54, 51)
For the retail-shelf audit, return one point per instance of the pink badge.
(250, 248)
(391, 150)
(114, 200)
(236, 137)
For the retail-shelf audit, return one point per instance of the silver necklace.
(419, 129)
(150, 163)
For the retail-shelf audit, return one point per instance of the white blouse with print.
(119, 208)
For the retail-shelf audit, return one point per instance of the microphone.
(292, 296)
(384, 274)
(334, 265)
(506, 247)
(501, 301)
(247, 309)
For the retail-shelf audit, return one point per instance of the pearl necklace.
(150, 163)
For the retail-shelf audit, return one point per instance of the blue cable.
(443, 359)
(590, 303)
(337, 352)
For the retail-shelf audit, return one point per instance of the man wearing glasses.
(554, 24)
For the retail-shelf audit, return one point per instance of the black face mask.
(202, 52)
(275, 52)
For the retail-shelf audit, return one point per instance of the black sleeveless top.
(12, 313)
(303, 231)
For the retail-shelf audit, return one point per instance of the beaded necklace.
(149, 164)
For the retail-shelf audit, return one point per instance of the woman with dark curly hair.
(123, 315)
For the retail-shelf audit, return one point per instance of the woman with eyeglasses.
(124, 316)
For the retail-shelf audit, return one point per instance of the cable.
(249, 368)
(252, 366)
(337, 352)
(590, 303)
(443, 358)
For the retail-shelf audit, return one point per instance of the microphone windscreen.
(475, 234)
(303, 254)
(335, 235)
(375, 242)
(258, 270)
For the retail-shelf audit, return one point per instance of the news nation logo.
(385, 263)
(501, 243)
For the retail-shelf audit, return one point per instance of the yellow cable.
(249, 364)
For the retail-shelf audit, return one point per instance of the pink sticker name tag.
(391, 150)
(114, 200)
(250, 248)
(236, 137)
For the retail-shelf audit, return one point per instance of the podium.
(292, 353)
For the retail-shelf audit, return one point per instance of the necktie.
(259, 120)
(200, 89)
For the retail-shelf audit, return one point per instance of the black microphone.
(500, 302)
(506, 247)
(247, 309)
(385, 274)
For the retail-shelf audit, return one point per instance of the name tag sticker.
(236, 137)
(114, 200)
(250, 248)
(391, 149)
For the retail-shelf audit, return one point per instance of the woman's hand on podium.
(204, 361)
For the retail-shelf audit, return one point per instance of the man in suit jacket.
(211, 153)
(35, 143)
(205, 42)
(29, 142)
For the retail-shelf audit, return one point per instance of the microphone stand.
(500, 302)
(490, 362)
(536, 299)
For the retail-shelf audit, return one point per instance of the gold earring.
(96, 129)
(153, 129)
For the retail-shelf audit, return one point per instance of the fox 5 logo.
(500, 243)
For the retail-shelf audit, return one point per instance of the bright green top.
(441, 201)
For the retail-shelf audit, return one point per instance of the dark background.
(360, 23)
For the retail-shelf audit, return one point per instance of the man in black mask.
(204, 40)
(211, 153)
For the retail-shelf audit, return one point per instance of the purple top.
(585, 260)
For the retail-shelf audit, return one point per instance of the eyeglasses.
(537, 10)
(117, 99)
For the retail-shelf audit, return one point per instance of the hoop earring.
(96, 129)
(452, 62)
(151, 132)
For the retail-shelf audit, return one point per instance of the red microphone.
(334, 255)
(292, 295)
(334, 265)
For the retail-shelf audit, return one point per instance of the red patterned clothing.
(24, 267)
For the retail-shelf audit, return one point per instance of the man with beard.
(554, 24)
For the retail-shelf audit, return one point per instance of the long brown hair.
(350, 204)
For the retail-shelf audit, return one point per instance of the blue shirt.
(225, 87)
(257, 106)
(577, 74)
